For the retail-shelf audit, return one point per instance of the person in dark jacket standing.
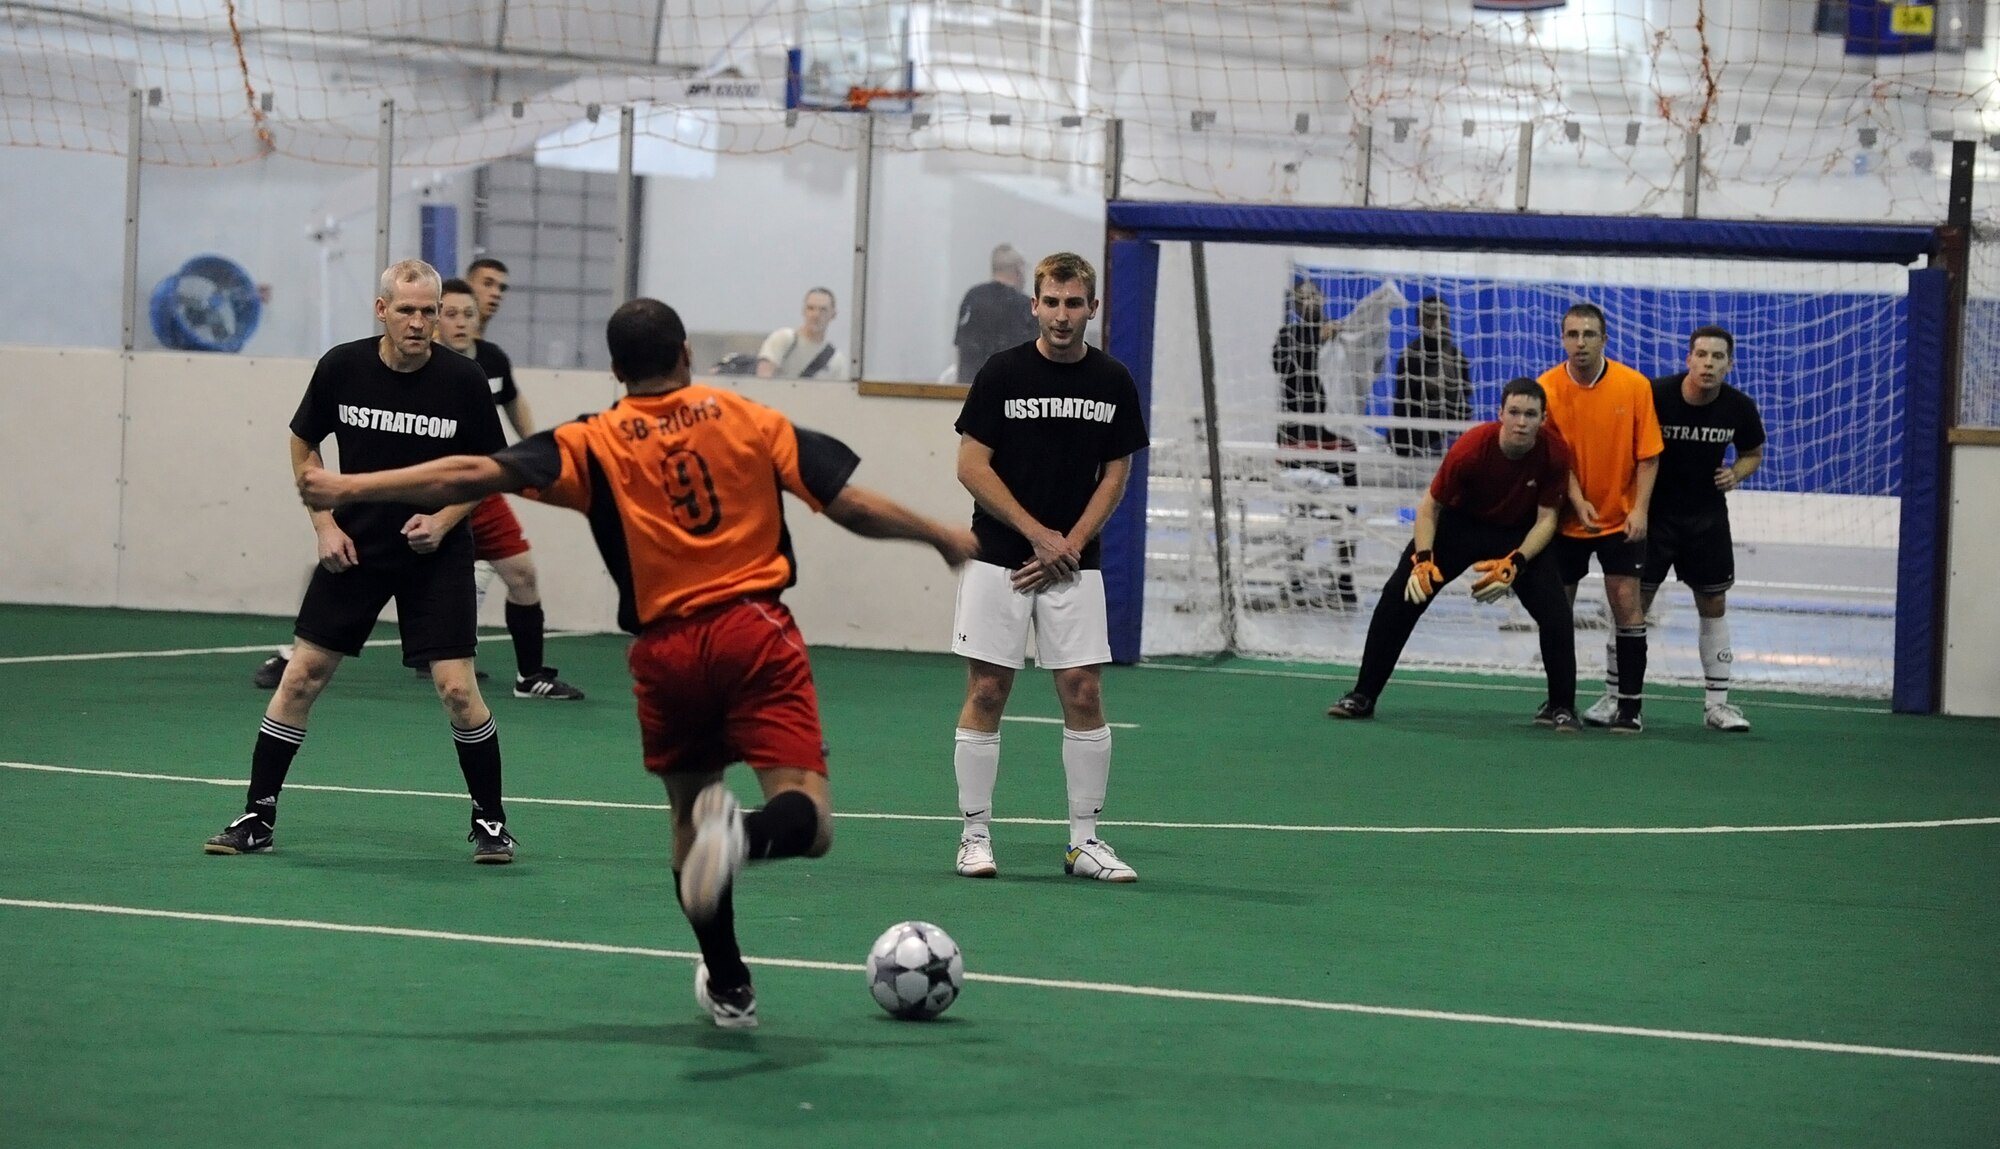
(1433, 381)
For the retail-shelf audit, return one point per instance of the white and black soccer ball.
(915, 970)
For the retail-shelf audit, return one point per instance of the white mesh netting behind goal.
(1312, 534)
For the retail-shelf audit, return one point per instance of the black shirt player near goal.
(389, 401)
(1703, 420)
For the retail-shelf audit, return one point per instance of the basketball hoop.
(859, 99)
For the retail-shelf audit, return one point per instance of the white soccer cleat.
(720, 847)
(975, 857)
(1722, 716)
(736, 1010)
(1602, 711)
(1096, 859)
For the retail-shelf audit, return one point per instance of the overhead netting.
(1413, 103)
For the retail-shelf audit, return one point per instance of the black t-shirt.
(499, 371)
(992, 318)
(1696, 440)
(385, 419)
(1052, 427)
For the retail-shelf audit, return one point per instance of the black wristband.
(1420, 558)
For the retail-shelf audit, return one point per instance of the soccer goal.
(1247, 535)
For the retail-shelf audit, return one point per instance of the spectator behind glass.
(1433, 381)
(994, 315)
(803, 352)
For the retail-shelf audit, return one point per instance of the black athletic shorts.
(1697, 547)
(436, 606)
(1616, 555)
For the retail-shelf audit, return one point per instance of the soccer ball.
(914, 970)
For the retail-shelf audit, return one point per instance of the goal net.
(1309, 534)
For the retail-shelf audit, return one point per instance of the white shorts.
(992, 620)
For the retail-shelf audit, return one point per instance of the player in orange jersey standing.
(1604, 411)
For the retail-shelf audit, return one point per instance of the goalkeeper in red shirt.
(1491, 507)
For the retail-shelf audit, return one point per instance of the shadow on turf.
(775, 1052)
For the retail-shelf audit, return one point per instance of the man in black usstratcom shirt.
(1701, 418)
(1046, 443)
(389, 401)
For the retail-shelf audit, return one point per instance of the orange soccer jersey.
(1609, 427)
(684, 494)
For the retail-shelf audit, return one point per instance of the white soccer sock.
(975, 758)
(1611, 664)
(1086, 756)
(483, 574)
(285, 652)
(1716, 659)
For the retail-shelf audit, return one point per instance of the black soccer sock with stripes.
(784, 828)
(277, 745)
(525, 624)
(717, 939)
(479, 761)
(1631, 665)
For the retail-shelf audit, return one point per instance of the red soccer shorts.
(496, 533)
(729, 684)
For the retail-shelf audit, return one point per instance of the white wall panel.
(59, 463)
(1972, 611)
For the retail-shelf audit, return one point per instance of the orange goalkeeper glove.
(1425, 578)
(1497, 575)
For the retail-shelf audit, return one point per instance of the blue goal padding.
(1132, 274)
(1919, 551)
(1498, 231)
(1815, 362)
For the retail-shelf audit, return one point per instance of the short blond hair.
(1064, 266)
(408, 271)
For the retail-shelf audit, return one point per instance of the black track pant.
(1462, 541)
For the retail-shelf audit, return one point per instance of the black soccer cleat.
(248, 834)
(544, 684)
(270, 672)
(1627, 720)
(1561, 719)
(1353, 704)
(731, 1008)
(492, 845)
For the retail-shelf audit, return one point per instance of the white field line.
(266, 647)
(1501, 687)
(1058, 721)
(1157, 992)
(1240, 671)
(109, 655)
(1271, 827)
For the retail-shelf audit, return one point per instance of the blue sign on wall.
(1890, 27)
(440, 237)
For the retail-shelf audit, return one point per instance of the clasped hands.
(1056, 560)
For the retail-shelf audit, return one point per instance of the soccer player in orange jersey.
(683, 485)
(1604, 411)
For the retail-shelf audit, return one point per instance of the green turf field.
(1443, 927)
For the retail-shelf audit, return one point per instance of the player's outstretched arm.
(873, 515)
(456, 479)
